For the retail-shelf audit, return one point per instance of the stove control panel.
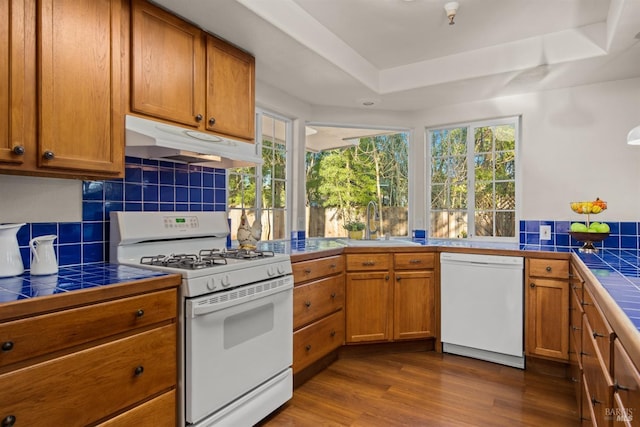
(181, 222)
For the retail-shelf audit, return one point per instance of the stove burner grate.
(247, 254)
(205, 259)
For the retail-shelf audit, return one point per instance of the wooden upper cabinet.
(230, 90)
(167, 66)
(81, 118)
(183, 75)
(17, 82)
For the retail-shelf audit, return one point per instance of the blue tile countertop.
(618, 271)
(69, 279)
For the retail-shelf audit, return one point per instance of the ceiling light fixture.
(634, 136)
(451, 8)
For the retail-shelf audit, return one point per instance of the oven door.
(235, 341)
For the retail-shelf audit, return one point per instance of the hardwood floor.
(427, 389)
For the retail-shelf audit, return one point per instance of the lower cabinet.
(318, 309)
(112, 362)
(390, 297)
(547, 309)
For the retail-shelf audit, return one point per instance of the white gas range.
(236, 315)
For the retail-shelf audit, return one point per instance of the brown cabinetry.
(547, 308)
(390, 297)
(183, 75)
(318, 309)
(84, 365)
(76, 54)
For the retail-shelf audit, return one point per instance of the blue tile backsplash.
(148, 185)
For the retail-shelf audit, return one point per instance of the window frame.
(258, 175)
(470, 144)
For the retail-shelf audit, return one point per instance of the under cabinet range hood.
(149, 139)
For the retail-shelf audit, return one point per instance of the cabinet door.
(414, 307)
(167, 66)
(17, 85)
(230, 90)
(547, 320)
(81, 121)
(368, 307)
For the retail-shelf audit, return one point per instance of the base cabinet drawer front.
(157, 412)
(314, 269)
(597, 378)
(576, 316)
(316, 340)
(84, 387)
(621, 415)
(414, 261)
(368, 262)
(549, 268)
(314, 300)
(68, 328)
(600, 329)
(626, 379)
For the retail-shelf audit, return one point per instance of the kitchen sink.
(376, 242)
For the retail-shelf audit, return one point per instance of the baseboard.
(553, 368)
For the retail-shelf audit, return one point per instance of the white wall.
(573, 146)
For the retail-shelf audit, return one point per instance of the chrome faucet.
(367, 228)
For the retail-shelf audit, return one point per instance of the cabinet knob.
(368, 263)
(333, 266)
(138, 371)
(548, 268)
(307, 304)
(307, 347)
(48, 155)
(8, 421)
(307, 271)
(332, 333)
(595, 401)
(398, 278)
(597, 335)
(212, 121)
(333, 295)
(415, 261)
(18, 150)
(386, 277)
(532, 285)
(7, 346)
(140, 313)
(199, 118)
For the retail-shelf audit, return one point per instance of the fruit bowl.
(593, 207)
(588, 239)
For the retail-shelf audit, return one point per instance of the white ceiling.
(404, 56)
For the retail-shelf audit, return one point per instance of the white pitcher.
(43, 256)
(10, 259)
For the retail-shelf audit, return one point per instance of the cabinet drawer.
(413, 261)
(601, 331)
(69, 328)
(314, 300)
(627, 381)
(317, 268)
(575, 319)
(368, 262)
(596, 377)
(91, 384)
(317, 340)
(555, 268)
(158, 412)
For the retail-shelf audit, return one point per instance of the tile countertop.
(69, 279)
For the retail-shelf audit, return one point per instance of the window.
(345, 171)
(269, 198)
(473, 180)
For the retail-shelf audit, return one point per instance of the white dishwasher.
(482, 307)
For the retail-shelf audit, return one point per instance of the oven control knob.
(225, 281)
(211, 284)
(270, 271)
(280, 269)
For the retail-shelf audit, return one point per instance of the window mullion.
(471, 179)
